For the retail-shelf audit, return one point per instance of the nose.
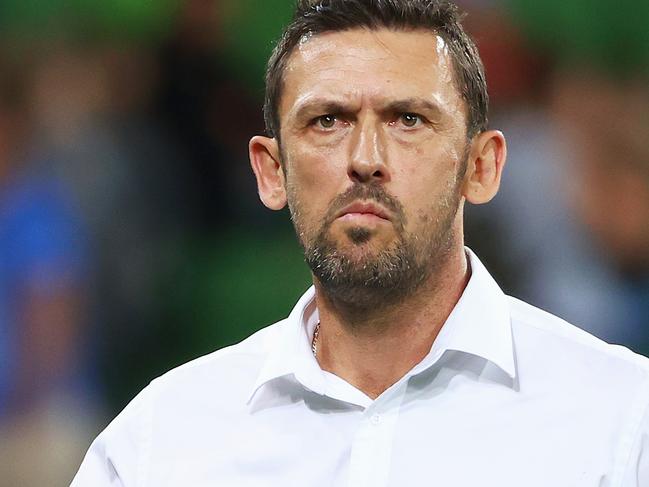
(368, 158)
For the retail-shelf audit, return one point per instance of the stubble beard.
(378, 279)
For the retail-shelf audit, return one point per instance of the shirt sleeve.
(118, 456)
(637, 471)
(97, 468)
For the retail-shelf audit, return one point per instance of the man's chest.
(455, 445)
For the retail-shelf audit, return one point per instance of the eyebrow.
(414, 105)
(320, 106)
(327, 106)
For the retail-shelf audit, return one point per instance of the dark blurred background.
(132, 238)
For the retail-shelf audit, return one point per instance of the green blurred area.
(610, 35)
(241, 281)
(224, 289)
(131, 19)
(249, 28)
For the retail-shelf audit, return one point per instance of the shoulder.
(229, 368)
(572, 352)
(599, 386)
(168, 409)
(226, 375)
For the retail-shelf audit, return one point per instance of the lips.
(364, 208)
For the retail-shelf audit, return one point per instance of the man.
(405, 364)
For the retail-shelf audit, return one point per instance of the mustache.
(366, 192)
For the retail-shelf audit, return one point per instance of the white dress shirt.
(509, 396)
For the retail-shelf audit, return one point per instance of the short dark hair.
(439, 16)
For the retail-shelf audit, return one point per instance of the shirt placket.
(371, 453)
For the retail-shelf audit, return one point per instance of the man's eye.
(410, 119)
(326, 121)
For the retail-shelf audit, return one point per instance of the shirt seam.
(598, 345)
(641, 409)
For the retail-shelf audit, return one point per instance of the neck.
(374, 350)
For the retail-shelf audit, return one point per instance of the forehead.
(363, 66)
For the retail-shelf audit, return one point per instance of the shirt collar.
(478, 325)
(291, 353)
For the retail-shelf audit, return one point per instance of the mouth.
(363, 211)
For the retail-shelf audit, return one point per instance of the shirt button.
(375, 419)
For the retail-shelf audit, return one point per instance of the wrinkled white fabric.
(508, 396)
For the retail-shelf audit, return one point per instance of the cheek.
(313, 181)
(429, 198)
(311, 166)
(434, 157)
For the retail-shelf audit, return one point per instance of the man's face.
(373, 136)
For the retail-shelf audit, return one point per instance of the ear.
(265, 161)
(485, 167)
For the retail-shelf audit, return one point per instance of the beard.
(376, 279)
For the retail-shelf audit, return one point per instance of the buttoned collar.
(478, 325)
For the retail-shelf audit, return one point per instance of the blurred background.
(132, 238)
